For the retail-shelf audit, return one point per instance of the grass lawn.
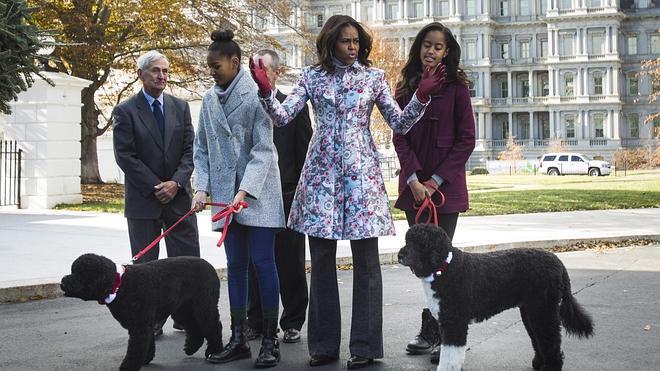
(504, 194)
(489, 194)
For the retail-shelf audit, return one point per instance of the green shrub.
(479, 171)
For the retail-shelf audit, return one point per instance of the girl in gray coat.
(236, 160)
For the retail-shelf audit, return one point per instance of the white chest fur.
(432, 302)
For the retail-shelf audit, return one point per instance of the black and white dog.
(462, 288)
(186, 287)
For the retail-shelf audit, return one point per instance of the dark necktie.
(160, 119)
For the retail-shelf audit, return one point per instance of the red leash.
(224, 213)
(431, 207)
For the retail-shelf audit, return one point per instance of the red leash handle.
(431, 207)
(226, 213)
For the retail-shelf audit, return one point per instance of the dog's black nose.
(401, 257)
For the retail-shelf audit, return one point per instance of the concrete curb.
(23, 292)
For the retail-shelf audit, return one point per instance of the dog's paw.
(537, 362)
(193, 343)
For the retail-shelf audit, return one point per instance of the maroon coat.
(440, 143)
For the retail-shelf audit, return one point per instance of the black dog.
(187, 288)
(463, 287)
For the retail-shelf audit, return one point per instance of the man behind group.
(291, 142)
(153, 145)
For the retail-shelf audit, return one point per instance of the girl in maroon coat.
(434, 152)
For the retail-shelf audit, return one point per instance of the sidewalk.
(38, 247)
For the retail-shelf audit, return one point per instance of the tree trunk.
(89, 161)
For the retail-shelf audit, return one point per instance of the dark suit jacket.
(147, 159)
(440, 143)
(291, 142)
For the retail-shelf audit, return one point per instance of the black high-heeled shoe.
(321, 359)
(358, 362)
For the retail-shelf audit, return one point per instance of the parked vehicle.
(567, 163)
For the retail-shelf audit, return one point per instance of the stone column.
(615, 81)
(509, 85)
(510, 124)
(403, 12)
(531, 128)
(531, 83)
(482, 125)
(615, 128)
(45, 121)
(615, 39)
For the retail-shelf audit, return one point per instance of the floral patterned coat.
(341, 195)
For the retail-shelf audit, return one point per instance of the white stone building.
(541, 70)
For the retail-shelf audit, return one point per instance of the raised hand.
(260, 77)
(430, 81)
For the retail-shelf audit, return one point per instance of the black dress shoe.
(418, 345)
(435, 355)
(158, 330)
(358, 362)
(321, 359)
(291, 335)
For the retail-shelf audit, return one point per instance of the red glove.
(261, 78)
(430, 81)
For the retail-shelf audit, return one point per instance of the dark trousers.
(324, 323)
(257, 243)
(445, 221)
(290, 262)
(182, 241)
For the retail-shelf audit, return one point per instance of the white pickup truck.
(573, 164)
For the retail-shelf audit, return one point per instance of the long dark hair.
(411, 73)
(327, 39)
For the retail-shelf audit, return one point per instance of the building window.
(598, 84)
(642, 4)
(471, 50)
(543, 52)
(632, 45)
(597, 43)
(472, 86)
(418, 10)
(319, 20)
(566, 4)
(633, 126)
(599, 132)
(567, 45)
(444, 7)
(525, 88)
(504, 88)
(545, 128)
(392, 11)
(524, 7)
(524, 49)
(570, 127)
(545, 87)
(470, 7)
(655, 44)
(504, 8)
(633, 85)
(504, 50)
(568, 85)
(368, 13)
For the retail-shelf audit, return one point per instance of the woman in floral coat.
(341, 195)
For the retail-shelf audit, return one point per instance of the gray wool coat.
(234, 150)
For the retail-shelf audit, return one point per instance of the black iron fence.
(10, 173)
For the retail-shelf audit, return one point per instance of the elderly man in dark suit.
(291, 142)
(153, 143)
